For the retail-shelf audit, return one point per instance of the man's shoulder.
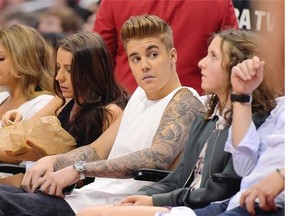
(185, 92)
(185, 100)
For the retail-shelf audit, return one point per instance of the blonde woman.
(26, 71)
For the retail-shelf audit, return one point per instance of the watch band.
(82, 175)
(241, 98)
(79, 166)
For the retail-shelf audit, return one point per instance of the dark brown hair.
(93, 81)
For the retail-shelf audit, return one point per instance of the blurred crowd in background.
(53, 16)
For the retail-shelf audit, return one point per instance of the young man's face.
(153, 67)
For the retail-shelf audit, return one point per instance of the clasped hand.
(41, 177)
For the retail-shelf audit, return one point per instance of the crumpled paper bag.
(46, 132)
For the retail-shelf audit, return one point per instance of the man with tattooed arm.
(150, 133)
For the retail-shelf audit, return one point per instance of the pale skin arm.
(115, 111)
(266, 190)
(245, 78)
(51, 107)
(167, 143)
(15, 116)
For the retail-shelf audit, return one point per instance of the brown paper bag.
(46, 132)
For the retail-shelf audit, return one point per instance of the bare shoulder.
(114, 109)
(114, 112)
(186, 93)
(184, 100)
(52, 108)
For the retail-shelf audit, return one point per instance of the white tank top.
(138, 126)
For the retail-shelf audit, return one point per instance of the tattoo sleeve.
(86, 153)
(168, 141)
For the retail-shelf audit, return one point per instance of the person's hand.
(265, 191)
(140, 200)
(247, 76)
(54, 182)
(10, 117)
(5, 158)
(41, 168)
(33, 154)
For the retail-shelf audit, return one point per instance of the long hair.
(31, 60)
(244, 45)
(93, 84)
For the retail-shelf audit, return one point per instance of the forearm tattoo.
(168, 141)
(85, 153)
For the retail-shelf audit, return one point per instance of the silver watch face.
(79, 166)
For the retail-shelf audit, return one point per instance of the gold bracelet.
(278, 171)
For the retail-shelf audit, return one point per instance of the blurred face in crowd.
(50, 24)
(64, 59)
